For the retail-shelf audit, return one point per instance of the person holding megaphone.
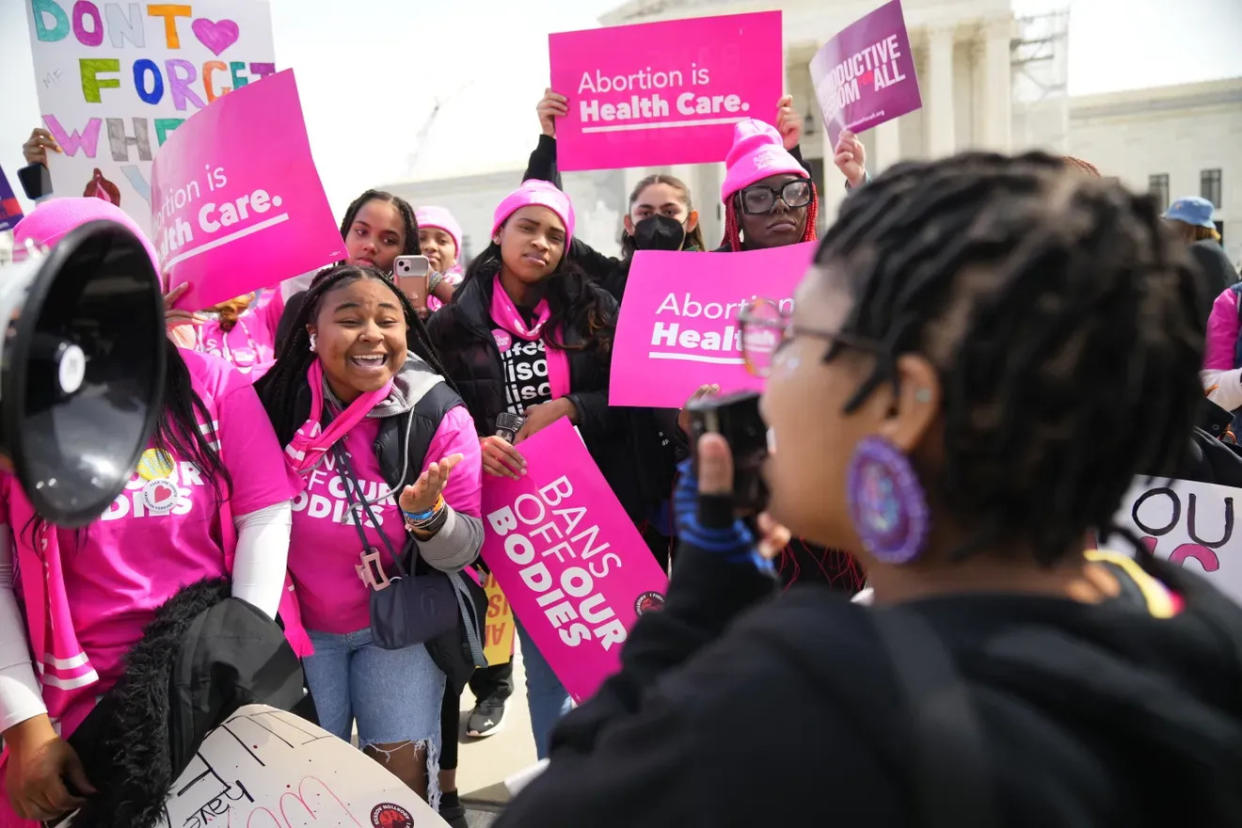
(196, 541)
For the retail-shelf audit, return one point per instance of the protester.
(209, 500)
(377, 228)
(657, 203)
(770, 201)
(528, 334)
(1004, 677)
(440, 239)
(241, 331)
(391, 469)
(1191, 219)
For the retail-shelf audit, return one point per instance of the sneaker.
(452, 811)
(486, 717)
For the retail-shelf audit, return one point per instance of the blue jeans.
(394, 695)
(545, 695)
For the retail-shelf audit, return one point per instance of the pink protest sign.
(572, 565)
(664, 93)
(236, 201)
(865, 75)
(679, 326)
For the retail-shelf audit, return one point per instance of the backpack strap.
(952, 775)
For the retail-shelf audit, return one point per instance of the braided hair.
(1060, 317)
(279, 386)
(733, 220)
(410, 246)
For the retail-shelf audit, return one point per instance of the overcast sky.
(370, 81)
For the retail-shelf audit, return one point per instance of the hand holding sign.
(539, 417)
(36, 146)
(851, 158)
(551, 107)
(788, 123)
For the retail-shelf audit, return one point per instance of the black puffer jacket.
(462, 334)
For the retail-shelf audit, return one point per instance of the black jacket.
(735, 710)
(462, 334)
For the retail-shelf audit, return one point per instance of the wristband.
(420, 517)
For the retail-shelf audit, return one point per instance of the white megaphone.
(81, 369)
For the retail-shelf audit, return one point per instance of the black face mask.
(659, 233)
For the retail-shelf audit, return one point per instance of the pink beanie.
(539, 193)
(442, 219)
(52, 220)
(757, 152)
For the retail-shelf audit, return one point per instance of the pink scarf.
(505, 314)
(308, 446)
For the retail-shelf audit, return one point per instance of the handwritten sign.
(572, 564)
(865, 75)
(679, 326)
(234, 210)
(1191, 524)
(116, 78)
(267, 768)
(664, 93)
(10, 210)
(498, 630)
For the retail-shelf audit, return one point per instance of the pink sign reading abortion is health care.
(865, 75)
(572, 565)
(679, 327)
(235, 198)
(664, 93)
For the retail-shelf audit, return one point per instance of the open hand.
(426, 490)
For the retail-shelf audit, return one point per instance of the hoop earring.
(314, 345)
(887, 502)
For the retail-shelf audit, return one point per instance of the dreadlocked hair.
(733, 220)
(572, 302)
(279, 387)
(694, 238)
(410, 246)
(1061, 318)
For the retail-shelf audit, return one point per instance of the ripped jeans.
(394, 695)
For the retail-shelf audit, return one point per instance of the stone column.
(939, 113)
(998, 115)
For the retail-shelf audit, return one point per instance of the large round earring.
(887, 503)
(314, 345)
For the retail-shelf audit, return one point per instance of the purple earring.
(887, 504)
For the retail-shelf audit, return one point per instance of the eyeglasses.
(759, 199)
(767, 326)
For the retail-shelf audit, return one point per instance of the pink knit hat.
(757, 152)
(441, 219)
(540, 193)
(52, 220)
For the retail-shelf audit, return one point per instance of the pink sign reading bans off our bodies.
(865, 75)
(679, 327)
(572, 565)
(664, 93)
(236, 201)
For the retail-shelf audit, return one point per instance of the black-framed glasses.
(760, 199)
(767, 326)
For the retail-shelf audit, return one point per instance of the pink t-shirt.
(164, 532)
(324, 549)
(250, 344)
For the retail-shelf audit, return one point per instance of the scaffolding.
(1039, 59)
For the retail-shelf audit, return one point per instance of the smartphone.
(411, 274)
(736, 418)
